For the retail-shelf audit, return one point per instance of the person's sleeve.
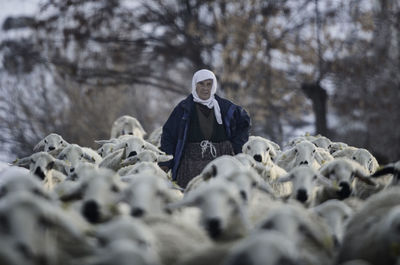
(241, 130)
(169, 137)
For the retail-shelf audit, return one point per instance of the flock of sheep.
(312, 202)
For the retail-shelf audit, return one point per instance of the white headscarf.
(211, 102)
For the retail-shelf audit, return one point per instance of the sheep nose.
(133, 153)
(243, 195)
(24, 250)
(91, 211)
(214, 227)
(302, 195)
(51, 148)
(39, 172)
(258, 158)
(345, 190)
(137, 212)
(304, 163)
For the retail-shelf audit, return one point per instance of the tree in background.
(283, 60)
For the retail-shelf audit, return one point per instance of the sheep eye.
(143, 146)
(61, 142)
(33, 161)
(354, 158)
(267, 149)
(315, 177)
(45, 223)
(268, 225)
(313, 151)
(295, 150)
(254, 184)
(45, 141)
(126, 145)
(248, 147)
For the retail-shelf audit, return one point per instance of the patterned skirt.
(197, 155)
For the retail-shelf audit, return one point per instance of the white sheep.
(336, 214)
(305, 182)
(303, 153)
(360, 155)
(149, 167)
(51, 142)
(261, 149)
(265, 248)
(149, 194)
(146, 156)
(128, 147)
(42, 165)
(98, 191)
(223, 214)
(219, 167)
(74, 154)
(341, 172)
(127, 125)
(41, 231)
(309, 234)
(372, 233)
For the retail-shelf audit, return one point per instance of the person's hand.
(165, 168)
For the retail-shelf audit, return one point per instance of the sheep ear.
(383, 171)
(22, 161)
(101, 142)
(361, 176)
(89, 158)
(275, 145)
(285, 178)
(164, 158)
(154, 148)
(39, 145)
(129, 161)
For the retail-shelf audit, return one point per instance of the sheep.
(51, 143)
(305, 181)
(372, 233)
(336, 213)
(106, 149)
(342, 172)
(127, 125)
(21, 181)
(220, 166)
(138, 168)
(360, 155)
(322, 142)
(40, 231)
(98, 192)
(310, 235)
(146, 156)
(336, 146)
(266, 248)
(41, 164)
(126, 148)
(149, 195)
(261, 149)
(303, 153)
(126, 229)
(223, 214)
(73, 154)
(120, 252)
(176, 240)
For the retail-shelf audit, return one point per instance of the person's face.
(203, 89)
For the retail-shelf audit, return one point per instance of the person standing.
(202, 127)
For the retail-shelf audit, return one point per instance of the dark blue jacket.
(174, 135)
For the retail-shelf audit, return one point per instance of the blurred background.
(329, 67)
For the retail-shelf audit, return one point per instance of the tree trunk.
(319, 97)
